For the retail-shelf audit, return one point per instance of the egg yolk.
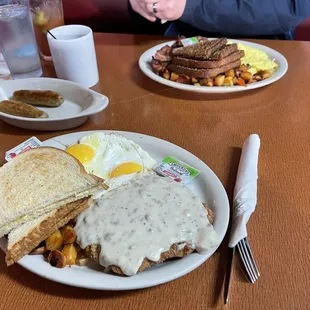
(125, 168)
(82, 152)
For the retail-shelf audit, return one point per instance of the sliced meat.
(175, 251)
(203, 73)
(159, 66)
(207, 64)
(164, 54)
(93, 251)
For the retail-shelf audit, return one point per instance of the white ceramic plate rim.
(88, 278)
(145, 67)
(100, 102)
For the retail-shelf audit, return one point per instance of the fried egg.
(112, 157)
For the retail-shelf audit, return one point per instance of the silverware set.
(244, 204)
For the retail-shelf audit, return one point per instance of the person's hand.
(166, 9)
(139, 6)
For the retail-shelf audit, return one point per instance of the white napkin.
(245, 193)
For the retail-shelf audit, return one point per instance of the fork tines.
(248, 259)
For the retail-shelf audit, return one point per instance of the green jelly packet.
(189, 41)
(176, 170)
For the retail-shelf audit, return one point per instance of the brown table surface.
(213, 128)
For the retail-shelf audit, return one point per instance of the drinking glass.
(46, 14)
(17, 40)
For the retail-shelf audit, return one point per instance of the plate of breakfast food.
(48, 104)
(109, 210)
(205, 65)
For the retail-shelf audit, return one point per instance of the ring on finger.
(155, 8)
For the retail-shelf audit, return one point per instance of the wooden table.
(213, 128)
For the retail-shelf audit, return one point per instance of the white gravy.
(143, 219)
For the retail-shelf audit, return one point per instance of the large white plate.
(79, 104)
(146, 57)
(207, 186)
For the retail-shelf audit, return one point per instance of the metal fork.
(248, 259)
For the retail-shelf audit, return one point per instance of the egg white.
(112, 150)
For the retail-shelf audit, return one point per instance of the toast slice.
(225, 51)
(175, 251)
(22, 240)
(202, 50)
(39, 181)
(204, 73)
(207, 64)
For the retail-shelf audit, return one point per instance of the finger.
(151, 1)
(147, 15)
(154, 9)
(139, 8)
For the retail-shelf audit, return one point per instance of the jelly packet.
(176, 170)
(189, 41)
(29, 144)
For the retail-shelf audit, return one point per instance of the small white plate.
(145, 66)
(207, 186)
(79, 104)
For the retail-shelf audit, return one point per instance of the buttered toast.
(39, 181)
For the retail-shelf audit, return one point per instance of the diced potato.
(69, 251)
(194, 80)
(174, 76)
(166, 75)
(247, 76)
(54, 241)
(197, 84)
(206, 82)
(68, 234)
(228, 81)
(266, 74)
(230, 72)
(57, 259)
(219, 80)
(243, 68)
(209, 83)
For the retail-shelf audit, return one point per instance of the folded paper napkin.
(4, 70)
(245, 193)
